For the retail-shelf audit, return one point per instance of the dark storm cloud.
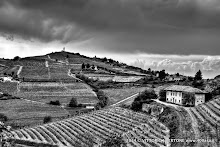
(40, 19)
(152, 26)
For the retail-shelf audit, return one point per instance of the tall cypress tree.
(198, 75)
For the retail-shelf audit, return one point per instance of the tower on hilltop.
(63, 49)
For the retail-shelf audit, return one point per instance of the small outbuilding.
(5, 79)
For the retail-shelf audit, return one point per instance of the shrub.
(198, 83)
(16, 58)
(144, 97)
(103, 100)
(3, 117)
(73, 102)
(208, 96)
(188, 99)
(55, 103)
(171, 120)
(47, 119)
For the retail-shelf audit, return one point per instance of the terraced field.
(50, 91)
(209, 115)
(34, 72)
(34, 68)
(95, 128)
(58, 71)
(33, 61)
(25, 113)
(46, 70)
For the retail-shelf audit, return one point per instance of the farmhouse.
(178, 94)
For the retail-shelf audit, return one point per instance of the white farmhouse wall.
(174, 97)
(199, 99)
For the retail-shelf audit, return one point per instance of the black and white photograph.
(109, 73)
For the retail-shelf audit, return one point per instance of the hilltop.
(49, 83)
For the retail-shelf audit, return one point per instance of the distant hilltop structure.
(63, 49)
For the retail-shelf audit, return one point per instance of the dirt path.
(48, 56)
(167, 104)
(46, 64)
(194, 126)
(19, 70)
(130, 97)
(73, 76)
(48, 68)
(182, 119)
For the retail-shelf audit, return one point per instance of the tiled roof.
(184, 89)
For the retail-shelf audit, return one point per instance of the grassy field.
(8, 87)
(116, 95)
(106, 77)
(2, 69)
(9, 70)
(25, 113)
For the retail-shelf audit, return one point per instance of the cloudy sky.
(175, 35)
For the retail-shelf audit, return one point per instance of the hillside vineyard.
(96, 127)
